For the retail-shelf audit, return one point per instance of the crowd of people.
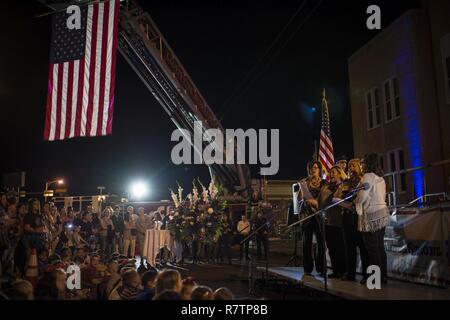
(106, 243)
(357, 224)
(107, 248)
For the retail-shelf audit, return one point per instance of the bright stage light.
(139, 190)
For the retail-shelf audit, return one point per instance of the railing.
(393, 180)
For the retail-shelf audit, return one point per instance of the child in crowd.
(168, 280)
(186, 291)
(148, 282)
(202, 293)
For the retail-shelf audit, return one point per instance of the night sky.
(220, 44)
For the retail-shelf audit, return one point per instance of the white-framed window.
(373, 108)
(391, 93)
(396, 162)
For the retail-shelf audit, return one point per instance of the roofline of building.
(410, 12)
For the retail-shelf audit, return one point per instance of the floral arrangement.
(199, 215)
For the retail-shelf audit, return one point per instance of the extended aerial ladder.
(146, 50)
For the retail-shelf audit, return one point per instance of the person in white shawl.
(373, 213)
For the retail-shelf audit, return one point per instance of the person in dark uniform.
(196, 227)
(312, 226)
(353, 238)
(210, 241)
(225, 240)
(262, 236)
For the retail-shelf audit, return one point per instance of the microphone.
(364, 186)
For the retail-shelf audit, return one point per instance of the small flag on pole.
(326, 153)
(82, 72)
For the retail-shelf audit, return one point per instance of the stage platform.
(394, 290)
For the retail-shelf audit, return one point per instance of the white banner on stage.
(417, 246)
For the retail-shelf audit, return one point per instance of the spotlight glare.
(139, 190)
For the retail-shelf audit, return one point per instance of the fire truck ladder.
(147, 52)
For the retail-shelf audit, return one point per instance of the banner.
(417, 246)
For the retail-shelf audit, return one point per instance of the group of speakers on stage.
(358, 223)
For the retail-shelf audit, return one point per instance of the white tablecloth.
(154, 241)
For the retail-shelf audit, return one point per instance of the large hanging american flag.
(326, 154)
(82, 73)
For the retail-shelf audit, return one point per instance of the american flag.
(326, 155)
(82, 73)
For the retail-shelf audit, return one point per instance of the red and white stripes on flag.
(82, 74)
(326, 153)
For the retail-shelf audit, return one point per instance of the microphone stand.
(322, 213)
(294, 260)
(252, 236)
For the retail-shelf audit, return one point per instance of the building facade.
(400, 99)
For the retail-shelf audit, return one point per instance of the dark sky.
(219, 43)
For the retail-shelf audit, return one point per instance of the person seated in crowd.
(78, 240)
(66, 256)
(223, 294)
(186, 291)
(168, 280)
(131, 283)
(115, 292)
(42, 261)
(202, 293)
(168, 295)
(114, 277)
(65, 239)
(52, 286)
(91, 274)
(21, 290)
(148, 282)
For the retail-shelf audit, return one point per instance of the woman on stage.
(353, 238)
(333, 228)
(373, 213)
(312, 226)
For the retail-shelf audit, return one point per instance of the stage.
(394, 290)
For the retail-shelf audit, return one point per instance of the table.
(154, 241)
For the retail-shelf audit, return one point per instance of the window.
(373, 108)
(396, 97)
(392, 99)
(396, 160)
